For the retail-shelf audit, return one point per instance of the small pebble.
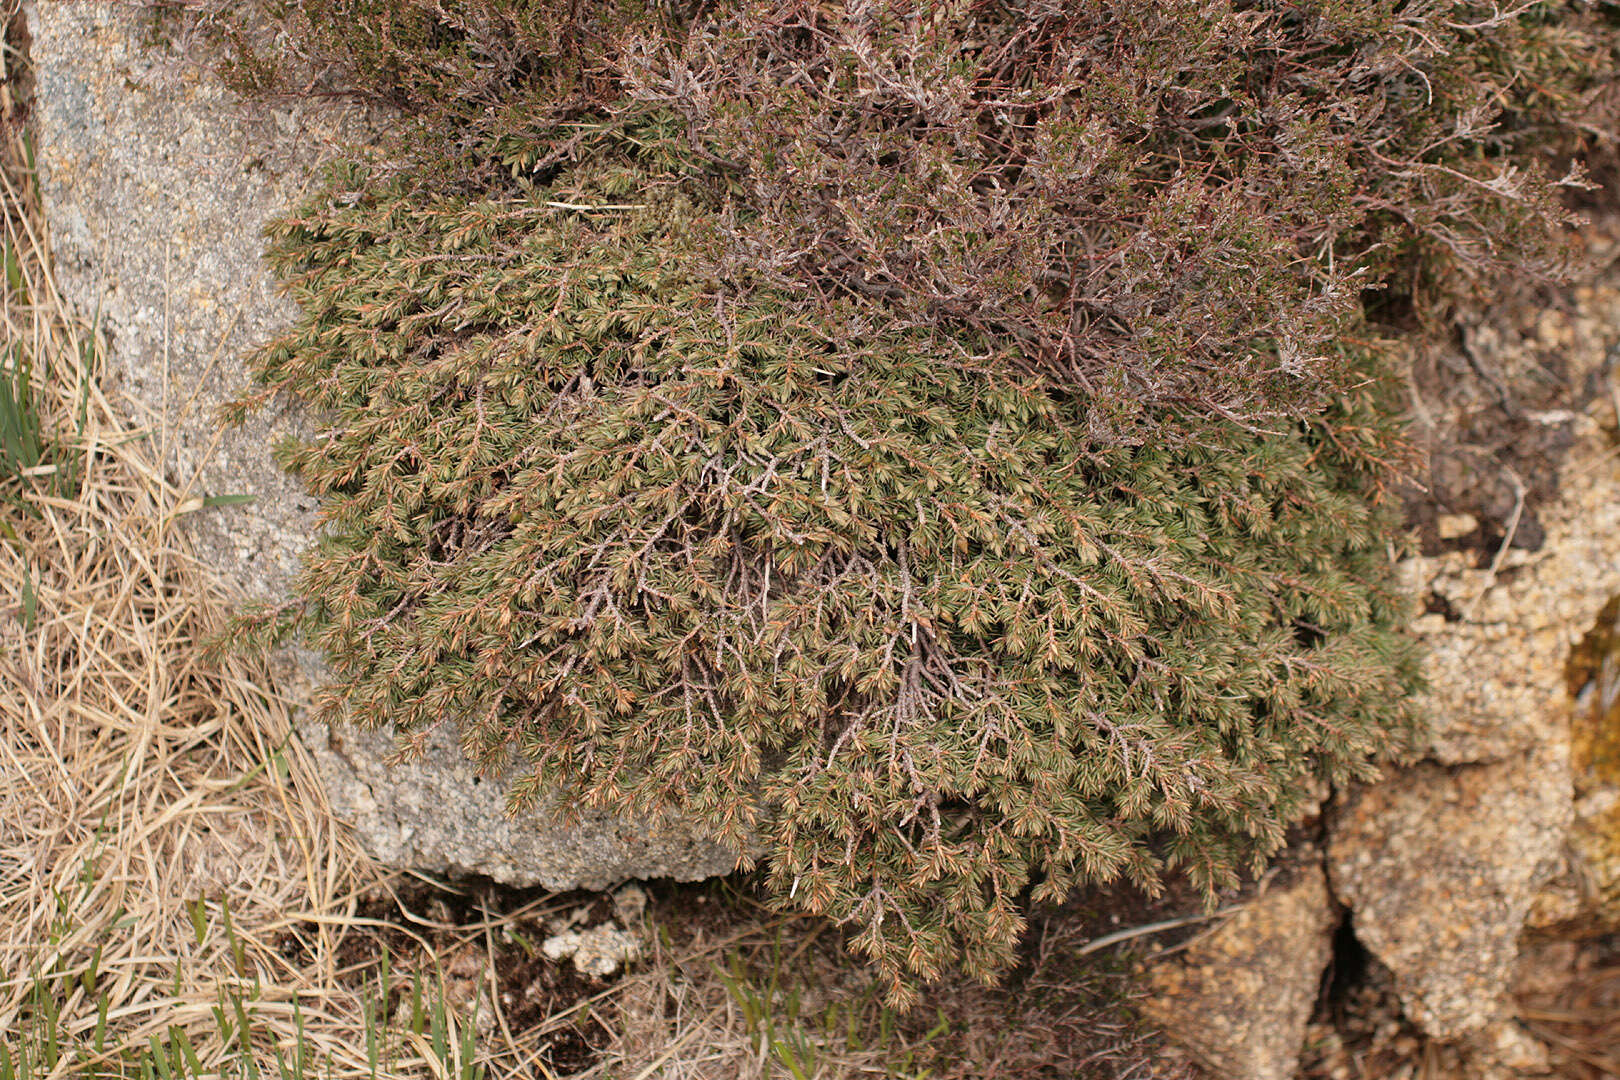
(598, 952)
(629, 903)
(1455, 526)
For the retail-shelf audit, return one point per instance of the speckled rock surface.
(1497, 652)
(1445, 864)
(156, 184)
(1440, 866)
(437, 814)
(1497, 670)
(1239, 999)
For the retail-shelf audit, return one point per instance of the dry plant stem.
(1118, 936)
(1519, 493)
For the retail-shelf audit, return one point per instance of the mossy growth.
(870, 595)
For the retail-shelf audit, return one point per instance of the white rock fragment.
(598, 952)
(1455, 526)
(630, 903)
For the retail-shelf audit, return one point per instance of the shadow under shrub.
(864, 592)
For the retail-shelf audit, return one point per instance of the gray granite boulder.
(157, 182)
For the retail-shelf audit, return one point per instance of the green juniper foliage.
(863, 592)
(918, 437)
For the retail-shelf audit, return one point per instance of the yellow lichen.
(1593, 679)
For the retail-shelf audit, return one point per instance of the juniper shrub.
(922, 438)
(862, 591)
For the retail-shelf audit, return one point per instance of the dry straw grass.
(164, 847)
(1569, 998)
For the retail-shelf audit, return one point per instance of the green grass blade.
(159, 1060)
(179, 1038)
(30, 600)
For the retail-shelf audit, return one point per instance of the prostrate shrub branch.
(919, 439)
